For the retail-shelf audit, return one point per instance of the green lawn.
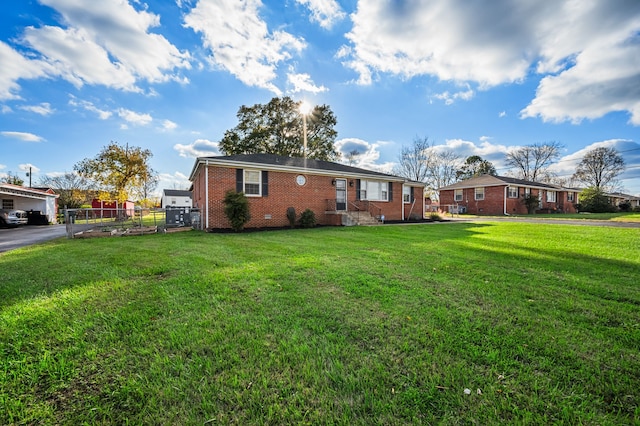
(614, 217)
(361, 325)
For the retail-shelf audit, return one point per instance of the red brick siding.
(283, 192)
(493, 203)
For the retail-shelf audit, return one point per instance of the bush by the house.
(434, 216)
(531, 202)
(594, 200)
(236, 208)
(308, 219)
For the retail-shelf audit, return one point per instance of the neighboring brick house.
(499, 195)
(336, 193)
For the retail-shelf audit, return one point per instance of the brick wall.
(283, 192)
(493, 203)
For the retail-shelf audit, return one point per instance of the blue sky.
(478, 78)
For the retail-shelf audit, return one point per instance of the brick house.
(336, 193)
(499, 195)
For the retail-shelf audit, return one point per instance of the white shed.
(174, 198)
(18, 197)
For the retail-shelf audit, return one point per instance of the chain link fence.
(102, 222)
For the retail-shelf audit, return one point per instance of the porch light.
(333, 182)
(351, 182)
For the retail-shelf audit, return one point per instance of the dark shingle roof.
(300, 163)
(489, 180)
(176, 193)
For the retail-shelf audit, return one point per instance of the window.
(252, 182)
(7, 204)
(457, 194)
(173, 201)
(527, 192)
(406, 194)
(374, 190)
(570, 196)
(551, 196)
(479, 193)
(512, 192)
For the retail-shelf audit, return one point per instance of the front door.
(341, 194)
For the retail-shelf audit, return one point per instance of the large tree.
(118, 169)
(414, 159)
(599, 168)
(277, 128)
(531, 162)
(13, 179)
(73, 189)
(422, 161)
(474, 166)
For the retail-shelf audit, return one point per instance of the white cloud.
(240, 42)
(502, 114)
(324, 12)
(134, 117)
(590, 47)
(5, 109)
(303, 83)
(2, 166)
(168, 125)
(601, 81)
(43, 109)
(176, 180)
(23, 136)
(15, 67)
(199, 148)
(366, 156)
(89, 106)
(28, 166)
(450, 98)
(106, 43)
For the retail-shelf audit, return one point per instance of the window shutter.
(357, 189)
(239, 183)
(265, 183)
(390, 191)
(412, 197)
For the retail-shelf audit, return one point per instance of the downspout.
(206, 191)
(505, 200)
(402, 202)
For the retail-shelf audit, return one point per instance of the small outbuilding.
(176, 199)
(41, 202)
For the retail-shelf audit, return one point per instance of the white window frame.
(570, 196)
(245, 182)
(374, 190)
(458, 194)
(512, 192)
(551, 197)
(406, 194)
(478, 193)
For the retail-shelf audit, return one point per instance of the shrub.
(236, 208)
(308, 219)
(595, 201)
(531, 202)
(434, 216)
(291, 216)
(625, 206)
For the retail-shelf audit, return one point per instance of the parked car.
(13, 217)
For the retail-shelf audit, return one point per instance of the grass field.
(454, 323)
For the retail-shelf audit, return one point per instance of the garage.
(31, 200)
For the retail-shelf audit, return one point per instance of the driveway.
(13, 238)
